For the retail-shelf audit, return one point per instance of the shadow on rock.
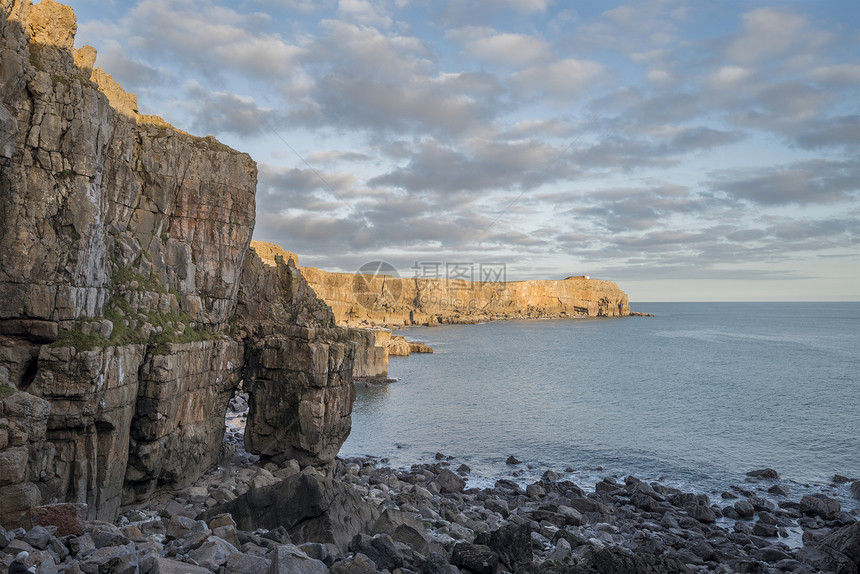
(310, 507)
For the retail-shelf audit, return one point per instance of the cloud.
(337, 156)
(729, 78)
(417, 104)
(364, 79)
(481, 166)
(770, 32)
(648, 107)
(210, 39)
(217, 113)
(504, 49)
(521, 6)
(300, 6)
(634, 28)
(551, 127)
(840, 75)
(364, 12)
(561, 80)
(458, 13)
(830, 132)
(629, 208)
(134, 74)
(283, 189)
(802, 183)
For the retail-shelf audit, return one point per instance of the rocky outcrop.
(298, 369)
(178, 421)
(274, 270)
(371, 354)
(311, 508)
(123, 252)
(400, 347)
(358, 299)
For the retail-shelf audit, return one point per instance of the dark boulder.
(513, 545)
(379, 548)
(357, 564)
(838, 551)
(767, 473)
(436, 564)
(744, 508)
(778, 490)
(820, 505)
(476, 557)
(310, 507)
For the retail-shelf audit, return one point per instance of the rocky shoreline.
(359, 516)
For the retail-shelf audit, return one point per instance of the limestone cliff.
(371, 346)
(123, 262)
(394, 301)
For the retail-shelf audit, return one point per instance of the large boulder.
(475, 557)
(820, 505)
(449, 482)
(312, 508)
(288, 559)
(69, 518)
(513, 544)
(838, 551)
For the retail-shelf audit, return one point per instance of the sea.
(693, 397)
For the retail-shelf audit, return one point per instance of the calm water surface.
(695, 396)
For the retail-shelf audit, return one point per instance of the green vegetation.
(212, 144)
(36, 56)
(120, 312)
(77, 339)
(7, 391)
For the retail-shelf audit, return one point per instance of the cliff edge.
(130, 304)
(367, 300)
(378, 300)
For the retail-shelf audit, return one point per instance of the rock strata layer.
(388, 301)
(130, 304)
(393, 301)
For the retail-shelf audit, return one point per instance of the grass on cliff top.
(163, 129)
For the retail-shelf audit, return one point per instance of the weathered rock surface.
(311, 508)
(393, 301)
(130, 308)
(298, 366)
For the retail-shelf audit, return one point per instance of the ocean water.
(694, 397)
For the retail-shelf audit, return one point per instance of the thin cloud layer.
(646, 140)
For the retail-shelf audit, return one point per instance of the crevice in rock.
(30, 372)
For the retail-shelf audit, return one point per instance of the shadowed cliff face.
(123, 248)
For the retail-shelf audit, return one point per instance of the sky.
(689, 151)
